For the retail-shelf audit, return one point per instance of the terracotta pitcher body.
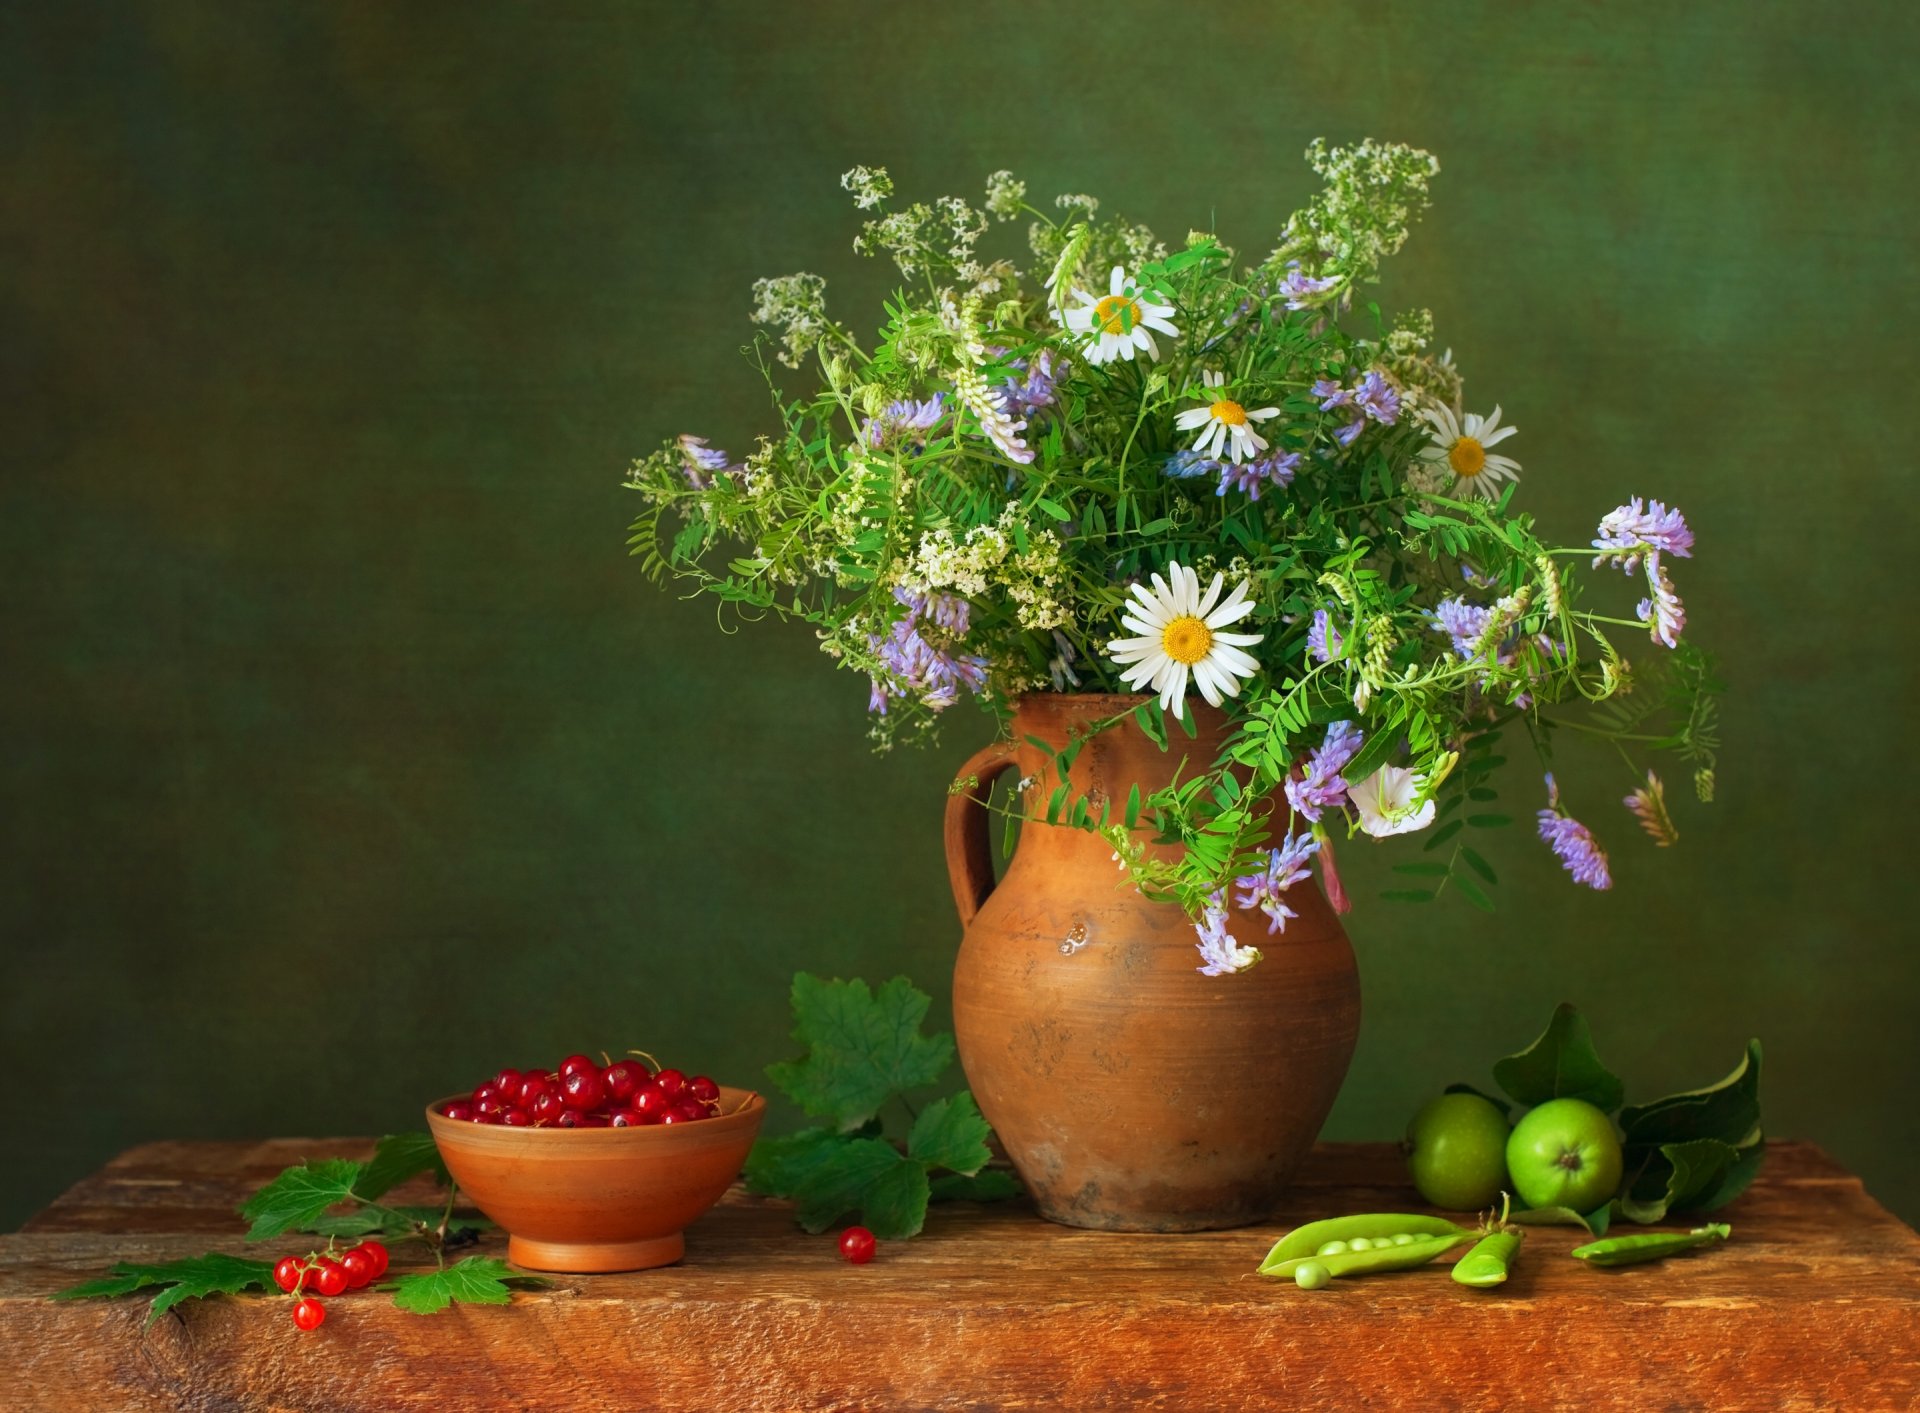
(1131, 1092)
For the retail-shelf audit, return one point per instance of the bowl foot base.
(583, 1257)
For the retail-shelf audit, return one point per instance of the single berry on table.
(309, 1314)
(857, 1245)
(360, 1268)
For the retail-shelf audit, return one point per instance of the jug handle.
(968, 840)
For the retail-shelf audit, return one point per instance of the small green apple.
(1457, 1151)
(1564, 1154)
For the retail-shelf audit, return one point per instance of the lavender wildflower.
(913, 664)
(1649, 806)
(1378, 398)
(1319, 786)
(1579, 852)
(1663, 614)
(1332, 395)
(1632, 530)
(1034, 391)
(703, 462)
(1189, 465)
(1302, 289)
(1324, 642)
(1220, 954)
(1463, 622)
(1286, 866)
(906, 420)
(1273, 469)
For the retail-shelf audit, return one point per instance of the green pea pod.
(1487, 1263)
(1650, 1246)
(1432, 1236)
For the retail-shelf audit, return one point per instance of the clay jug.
(1131, 1092)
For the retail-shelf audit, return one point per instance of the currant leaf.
(215, 1273)
(396, 1158)
(863, 1048)
(951, 1134)
(299, 1196)
(478, 1280)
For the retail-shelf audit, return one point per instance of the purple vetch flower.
(1632, 530)
(914, 665)
(1319, 786)
(905, 420)
(1190, 465)
(1286, 866)
(1348, 434)
(1663, 614)
(1302, 289)
(1649, 806)
(1579, 852)
(1033, 392)
(703, 462)
(1461, 621)
(1332, 394)
(1274, 469)
(1324, 642)
(1378, 398)
(1220, 954)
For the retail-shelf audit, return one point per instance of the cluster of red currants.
(581, 1094)
(328, 1275)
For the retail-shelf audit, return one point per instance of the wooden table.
(1815, 1304)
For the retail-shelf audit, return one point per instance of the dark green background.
(346, 757)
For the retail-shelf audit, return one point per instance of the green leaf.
(478, 1280)
(396, 1158)
(212, 1274)
(1727, 1110)
(299, 1196)
(863, 1048)
(1739, 1175)
(1561, 1064)
(951, 1134)
(894, 1205)
(1058, 512)
(987, 1185)
(1685, 1173)
(1472, 892)
(1442, 834)
(1478, 865)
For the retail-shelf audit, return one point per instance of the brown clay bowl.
(598, 1199)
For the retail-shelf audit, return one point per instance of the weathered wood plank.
(1814, 1305)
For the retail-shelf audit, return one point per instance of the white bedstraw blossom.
(1118, 321)
(1225, 423)
(797, 306)
(870, 186)
(1181, 634)
(1005, 195)
(988, 562)
(1385, 799)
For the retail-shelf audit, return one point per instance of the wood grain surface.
(1815, 1304)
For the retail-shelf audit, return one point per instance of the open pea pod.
(1432, 1236)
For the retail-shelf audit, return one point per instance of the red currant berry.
(459, 1110)
(690, 1110)
(489, 1107)
(531, 1088)
(671, 1082)
(857, 1245)
(622, 1078)
(628, 1118)
(568, 1119)
(508, 1083)
(377, 1254)
(359, 1268)
(584, 1090)
(649, 1099)
(703, 1089)
(485, 1093)
(330, 1277)
(516, 1117)
(548, 1108)
(286, 1273)
(309, 1314)
(576, 1062)
(492, 1118)
(673, 1116)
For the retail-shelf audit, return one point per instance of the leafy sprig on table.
(335, 1198)
(1689, 1152)
(864, 1050)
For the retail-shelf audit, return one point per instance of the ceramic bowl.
(598, 1199)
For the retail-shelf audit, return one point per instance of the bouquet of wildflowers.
(1107, 465)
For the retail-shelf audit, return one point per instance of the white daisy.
(1463, 446)
(1224, 422)
(1119, 320)
(1181, 635)
(1385, 802)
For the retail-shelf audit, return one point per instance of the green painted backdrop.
(346, 757)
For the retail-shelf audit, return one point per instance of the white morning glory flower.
(1385, 802)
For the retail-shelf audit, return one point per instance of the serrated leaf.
(215, 1273)
(299, 1196)
(396, 1158)
(951, 1134)
(894, 1205)
(863, 1048)
(987, 1185)
(478, 1280)
(1561, 1064)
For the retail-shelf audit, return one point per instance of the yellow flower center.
(1117, 314)
(1228, 411)
(1467, 458)
(1187, 639)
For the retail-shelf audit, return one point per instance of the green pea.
(1331, 1248)
(1331, 1243)
(1310, 1275)
(1360, 1243)
(1403, 1238)
(1650, 1246)
(1487, 1263)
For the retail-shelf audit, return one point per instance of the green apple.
(1564, 1154)
(1457, 1151)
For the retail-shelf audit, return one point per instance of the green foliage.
(212, 1274)
(1561, 1064)
(865, 1050)
(396, 1158)
(478, 1280)
(300, 1196)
